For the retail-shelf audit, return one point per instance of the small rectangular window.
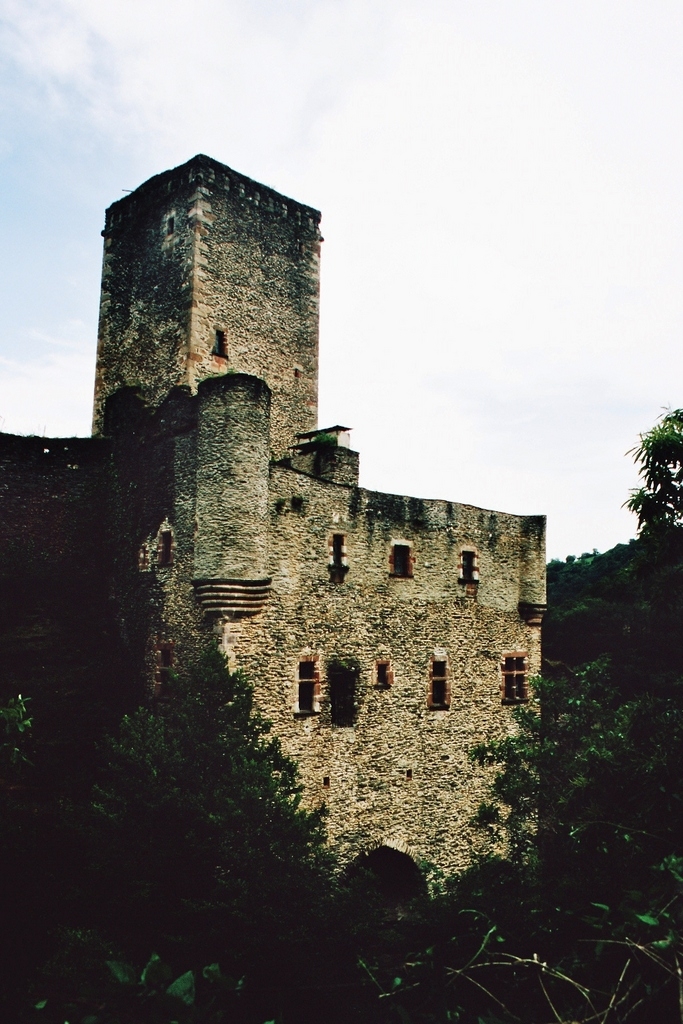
(170, 226)
(164, 664)
(220, 345)
(401, 561)
(439, 690)
(468, 566)
(382, 673)
(514, 677)
(308, 687)
(338, 564)
(306, 696)
(166, 547)
(338, 550)
(306, 670)
(326, 781)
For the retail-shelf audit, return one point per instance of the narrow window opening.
(384, 674)
(307, 686)
(297, 372)
(343, 678)
(439, 690)
(220, 345)
(401, 562)
(170, 226)
(306, 696)
(338, 564)
(409, 774)
(514, 678)
(306, 670)
(326, 781)
(164, 664)
(338, 550)
(468, 566)
(166, 547)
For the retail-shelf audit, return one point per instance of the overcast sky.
(501, 184)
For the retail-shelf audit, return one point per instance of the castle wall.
(401, 773)
(200, 250)
(121, 558)
(371, 615)
(59, 638)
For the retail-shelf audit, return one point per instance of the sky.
(501, 183)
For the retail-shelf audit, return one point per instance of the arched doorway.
(396, 875)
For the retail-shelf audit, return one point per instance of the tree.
(658, 503)
(196, 846)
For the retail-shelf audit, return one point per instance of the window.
(469, 566)
(409, 774)
(384, 674)
(220, 345)
(164, 664)
(308, 687)
(165, 548)
(401, 561)
(326, 782)
(514, 668)
(439, 696)
(338, 564)
(343, 677)
(170, 226)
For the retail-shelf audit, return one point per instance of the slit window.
(401, 562)
(170, 226)
(165, 547)
(220, 345)
(514, 677)
(439, 689)
(338, 550)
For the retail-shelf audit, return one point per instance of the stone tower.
(207, 272)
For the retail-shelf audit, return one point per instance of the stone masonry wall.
(401, 775)
(198, 250)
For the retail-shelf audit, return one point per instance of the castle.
(384, 635)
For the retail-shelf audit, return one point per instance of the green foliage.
(589, 781)
(15, 718)
(197, 825)
(325, 440)
(658, 503)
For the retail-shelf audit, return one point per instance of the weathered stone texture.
(372, 616)
(202, 249)
(217, 519)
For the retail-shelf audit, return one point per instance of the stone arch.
(393, 865)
